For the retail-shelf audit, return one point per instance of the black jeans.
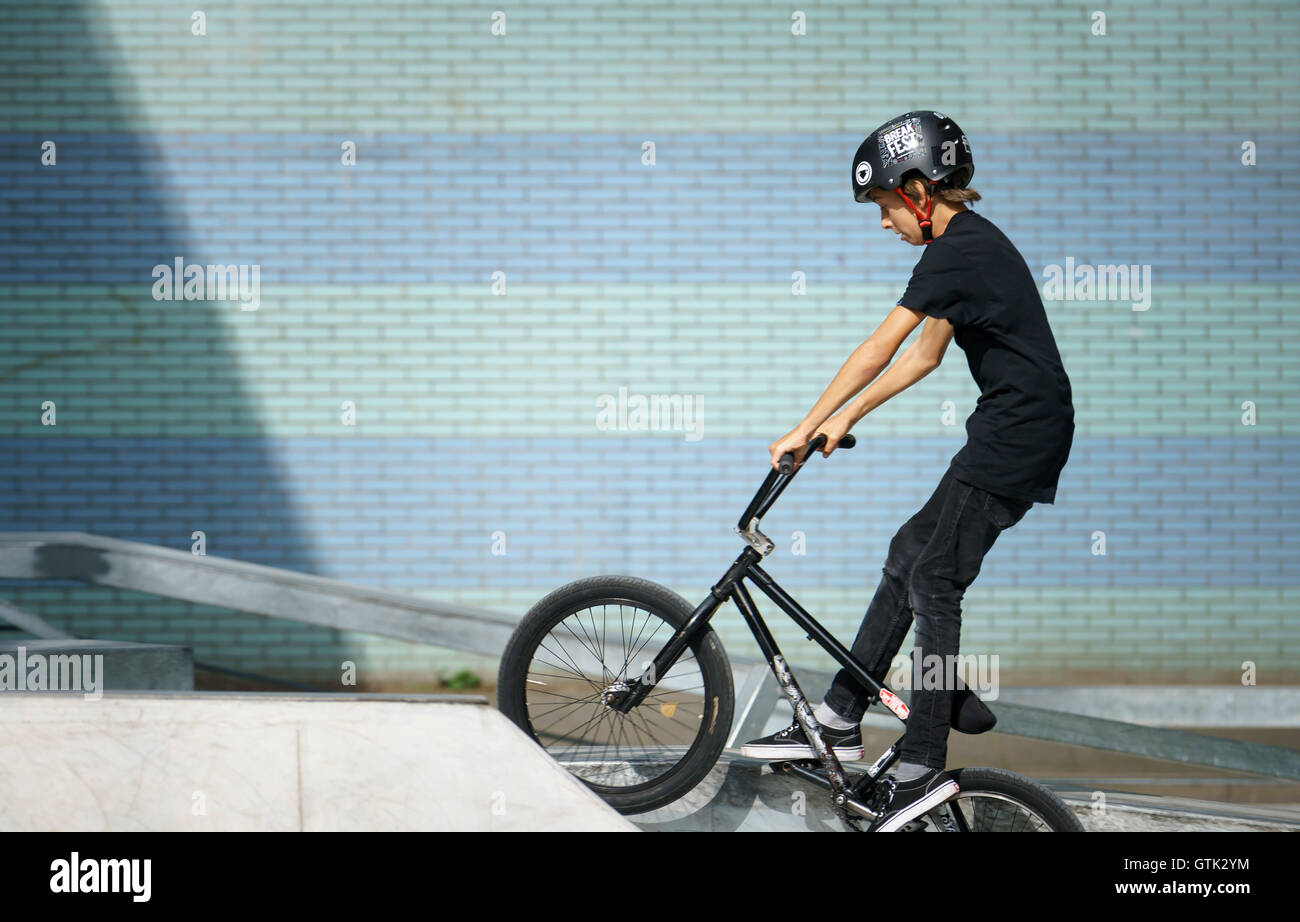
(932, 559)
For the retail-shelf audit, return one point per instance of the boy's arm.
(867, 361)
(917, 361)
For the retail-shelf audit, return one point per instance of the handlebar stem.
(773, 485)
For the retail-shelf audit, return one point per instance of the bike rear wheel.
(591, 638)
(996, 800)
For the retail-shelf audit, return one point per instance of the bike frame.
(732, 586)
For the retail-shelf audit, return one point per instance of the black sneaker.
(900, 802)
(791, 743)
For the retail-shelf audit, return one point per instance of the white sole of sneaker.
(921, 807)
(779, 753)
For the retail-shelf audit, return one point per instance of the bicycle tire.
(717, 695)
(1000, 783)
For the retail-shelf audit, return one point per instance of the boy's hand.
(835, 429)
(795, 441)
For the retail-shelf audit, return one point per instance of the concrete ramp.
(233, 762)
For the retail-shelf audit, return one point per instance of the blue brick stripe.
(454, 208)
(421, 513)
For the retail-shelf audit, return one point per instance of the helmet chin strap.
(926, 230)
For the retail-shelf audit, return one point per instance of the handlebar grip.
(786, 464)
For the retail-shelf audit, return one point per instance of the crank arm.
(803, 771)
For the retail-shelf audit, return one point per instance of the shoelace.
(790, 730)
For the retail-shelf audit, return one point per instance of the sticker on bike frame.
(894, 703)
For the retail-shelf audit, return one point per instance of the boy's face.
(895, 216)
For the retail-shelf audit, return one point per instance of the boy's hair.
(947, 188)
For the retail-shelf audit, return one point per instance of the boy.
(970, 283)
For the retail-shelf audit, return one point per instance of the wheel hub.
(613, 694)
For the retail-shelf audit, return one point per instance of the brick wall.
(475, 406)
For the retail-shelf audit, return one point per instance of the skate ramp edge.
(215, 761)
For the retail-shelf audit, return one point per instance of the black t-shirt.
(1020, 434)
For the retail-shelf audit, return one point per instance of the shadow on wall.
(154, 437)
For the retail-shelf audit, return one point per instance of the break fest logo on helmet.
(902, 142)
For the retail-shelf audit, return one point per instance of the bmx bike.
(629, 688)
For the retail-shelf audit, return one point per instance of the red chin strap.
(923, 218)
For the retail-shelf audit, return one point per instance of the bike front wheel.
(589, 640)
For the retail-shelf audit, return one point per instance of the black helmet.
(926, 141)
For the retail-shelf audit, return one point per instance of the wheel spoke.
(628, 657)
(595, 654)
(633, 654)
(987, 812)
(576, 670)
(581, 734)
(534, 716)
